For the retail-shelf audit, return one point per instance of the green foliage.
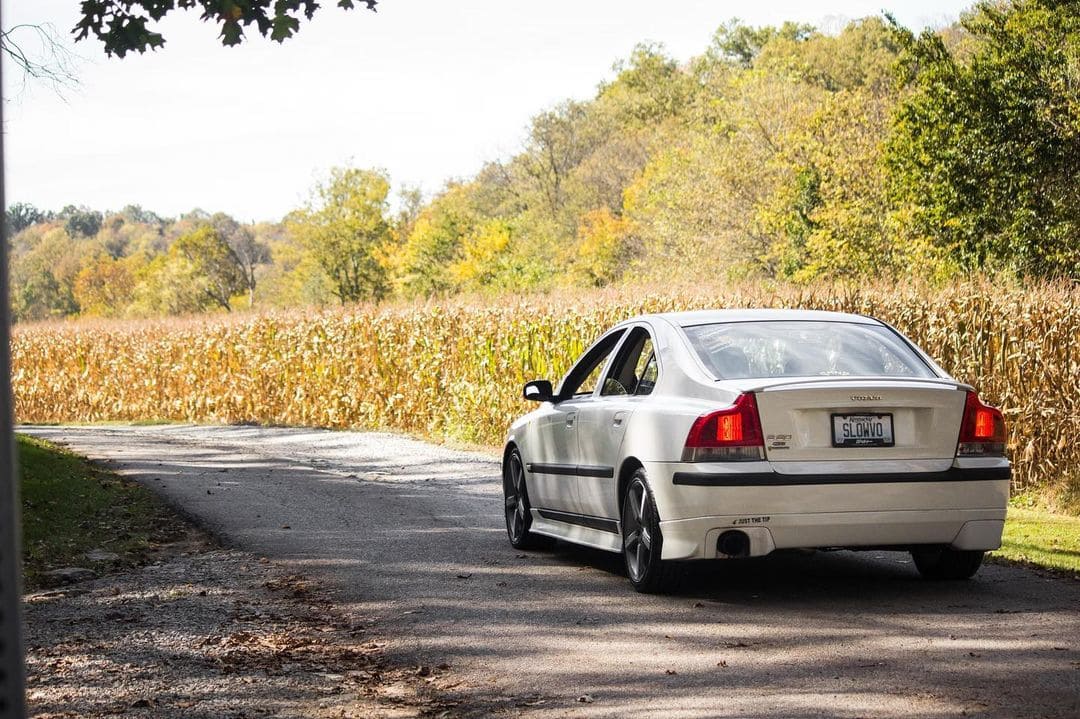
(741, 44)
(346, 230)
(983, 151)
(125, 25)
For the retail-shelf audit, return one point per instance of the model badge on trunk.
(865, 398)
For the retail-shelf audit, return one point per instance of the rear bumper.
(957, 503)
(976, 529)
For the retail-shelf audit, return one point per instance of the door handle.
(617, 420)
(570, 420)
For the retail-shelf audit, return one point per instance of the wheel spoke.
(511, 501)
(518, 475)
(631, 539)
(646, 539)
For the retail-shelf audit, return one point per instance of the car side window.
(629, 371)
(649, 373)
(585, 375)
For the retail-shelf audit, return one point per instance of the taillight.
(732, 434)
(982, 432)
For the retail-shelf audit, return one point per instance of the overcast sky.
(426, 89)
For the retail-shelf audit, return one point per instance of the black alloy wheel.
(516, 506)
(642, 541)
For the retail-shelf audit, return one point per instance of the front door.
(551, 455)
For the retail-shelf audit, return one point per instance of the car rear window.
(751, 350)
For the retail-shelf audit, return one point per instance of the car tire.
(642, 541)
(945, 563)
(516, 508)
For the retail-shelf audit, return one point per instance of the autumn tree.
(214, 263)
(248, 252)
(345, 229)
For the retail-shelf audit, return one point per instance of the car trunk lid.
(859, 419)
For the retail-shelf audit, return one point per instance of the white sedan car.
(731, 433)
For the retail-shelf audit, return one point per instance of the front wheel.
(642, 541)
(516, 506)
(945, 563)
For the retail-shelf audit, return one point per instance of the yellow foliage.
(481, 250)
(602, 253)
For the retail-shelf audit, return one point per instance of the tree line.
(778, 152)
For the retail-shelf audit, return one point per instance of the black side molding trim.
(573, 470)
(774, 479)
(584, 520)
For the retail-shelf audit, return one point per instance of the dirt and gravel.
(207, 632)
(404, 540)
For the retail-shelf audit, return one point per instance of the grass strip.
(71, 507)
(1041, 538)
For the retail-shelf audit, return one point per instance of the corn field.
(454, 370)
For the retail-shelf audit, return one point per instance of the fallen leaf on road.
(464, 576)
(721, 663)
(670, 672)
(586, 699)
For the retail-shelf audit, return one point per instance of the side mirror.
(538, 391)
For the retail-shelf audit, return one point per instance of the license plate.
(862, 430)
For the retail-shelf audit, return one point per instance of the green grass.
(1041, 538)
(70, 507)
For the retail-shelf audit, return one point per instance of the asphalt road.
(409, 537)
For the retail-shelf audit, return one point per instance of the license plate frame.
(887, 436)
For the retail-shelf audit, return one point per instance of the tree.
(81, 221)
(248, 251)
(21, 215)
(214, 262)
(984, 152)
(39, 52)
(124, 25)
(105, 286)
(345, 229)
(740, 44)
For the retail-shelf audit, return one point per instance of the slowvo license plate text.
(862, 430)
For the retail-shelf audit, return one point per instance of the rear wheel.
(516, 506)
(642, 541)
(945, 563)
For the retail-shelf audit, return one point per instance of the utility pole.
(12, 667)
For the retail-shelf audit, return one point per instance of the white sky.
(426, 89)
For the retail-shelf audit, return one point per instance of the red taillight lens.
(982, 432)
(730, 434)
(729, 428)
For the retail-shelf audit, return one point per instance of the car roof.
(705, 317)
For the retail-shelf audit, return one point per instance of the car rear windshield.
(744, 350)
